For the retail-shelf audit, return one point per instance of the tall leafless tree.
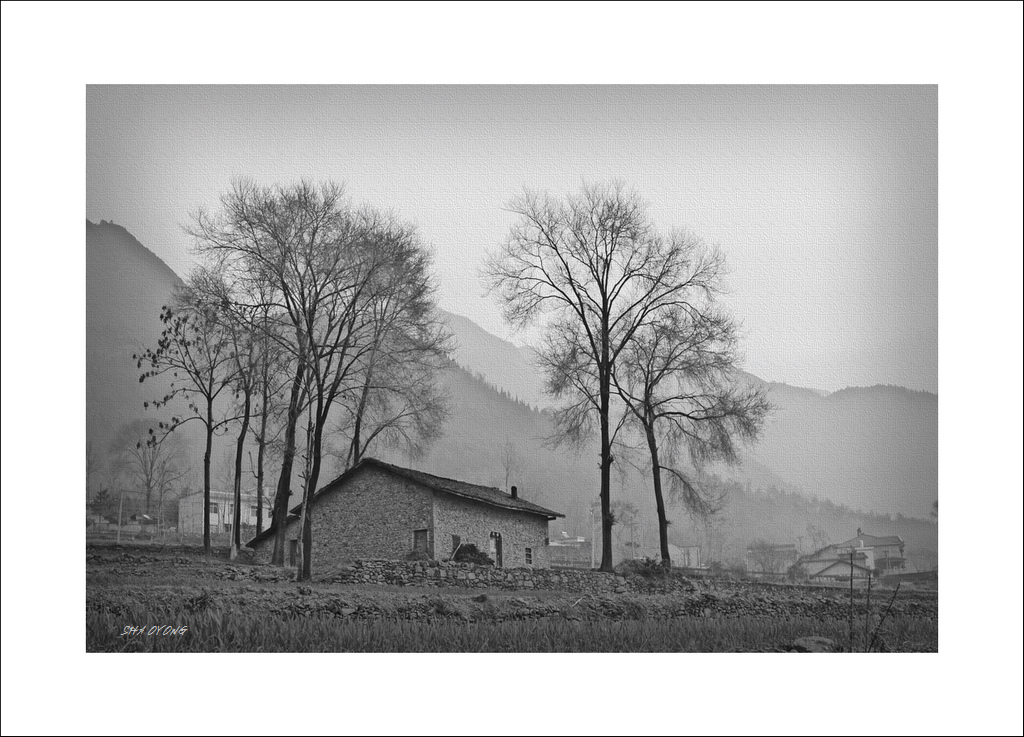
(195, 352)
(295, 241)
(272, 366)
(678, 377)
(594, 269)
(245, 348)
(511, 462)
(324, 265)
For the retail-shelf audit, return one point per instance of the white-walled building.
(222, 512)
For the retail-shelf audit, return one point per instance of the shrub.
(648, 568)
(469, 553)
(198, 603)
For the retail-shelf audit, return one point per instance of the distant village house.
(861, 557)
(685, 556)
(376, 510)
(222, 512)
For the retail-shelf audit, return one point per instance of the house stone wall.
(373, 515)
(474, 522)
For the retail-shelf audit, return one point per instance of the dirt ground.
(164, 576)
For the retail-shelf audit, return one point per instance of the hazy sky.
(824, 199)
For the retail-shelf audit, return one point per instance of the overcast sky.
(824, 199)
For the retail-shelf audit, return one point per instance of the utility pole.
(120, 505)
(851, 600)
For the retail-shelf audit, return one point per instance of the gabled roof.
(839, 566)
(871, 541)
(484, 494)
(833, 553)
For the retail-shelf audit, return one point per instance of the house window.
(529, 556)
(419, 541)
(254, 511)
(214, 509)
(456, 542)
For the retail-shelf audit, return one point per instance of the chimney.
(858, 532)
(515, 493)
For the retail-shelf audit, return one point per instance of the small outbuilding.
(376, 510)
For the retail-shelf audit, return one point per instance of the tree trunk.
(356, 452)
(261, 452)
(306, 570)
(285, 480)
(236, 522)
(652, 444)
(207, 548)
(606, 467)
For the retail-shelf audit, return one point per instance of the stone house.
(376, 510)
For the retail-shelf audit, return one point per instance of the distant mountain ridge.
(868, 448)
(500, 362)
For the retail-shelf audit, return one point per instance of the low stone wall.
(467, 575)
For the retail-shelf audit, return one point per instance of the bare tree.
(766, 557)
(195, 352)
(238, 323)
(151, 459)
(817, 535)
(324, 263)
(678, 378)
(596, 270)
(271, 368)
(394, 398)
(511, 462)
(295, 241)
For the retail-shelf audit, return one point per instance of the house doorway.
(293, 552)
(495, 547)
(419, 541)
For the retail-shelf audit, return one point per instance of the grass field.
(128, 603)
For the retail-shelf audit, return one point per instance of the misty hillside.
(873, 448)
(126, 286)
(499, 362)
(870, 449)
